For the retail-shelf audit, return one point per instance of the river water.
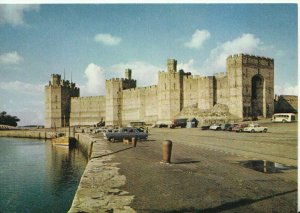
(38, 177)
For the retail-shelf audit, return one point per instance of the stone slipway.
(98, 190)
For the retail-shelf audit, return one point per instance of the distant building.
(246, 89)
(286, 103)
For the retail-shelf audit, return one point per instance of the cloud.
(10, 58)
(189, 67)
(26, 116)
(14, 14)
(198, 38)
(216, 62)
(22, 87)
(145, 73)
(107, 39)
(95, 80)
(286, 89)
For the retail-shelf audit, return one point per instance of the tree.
(6, 119)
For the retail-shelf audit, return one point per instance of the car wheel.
(240, 130)
(252, 131)
(283, 121)
(112, 140)
(265, 130)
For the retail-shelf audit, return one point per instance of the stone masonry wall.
(87, 110)
(140, 104)
(190, 91)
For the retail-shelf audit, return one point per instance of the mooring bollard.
(167, 151)
(133, 141)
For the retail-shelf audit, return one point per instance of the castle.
(247, 89)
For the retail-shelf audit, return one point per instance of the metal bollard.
(167, 151)
(133, 141)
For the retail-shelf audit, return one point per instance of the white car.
(215, 127)
(255, 128)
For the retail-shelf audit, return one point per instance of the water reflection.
(38, 177)
(266, 166)
(67, 167)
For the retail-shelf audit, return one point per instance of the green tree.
(6, 119)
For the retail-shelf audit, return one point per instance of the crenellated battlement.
(205, 77)
(220, 75)
(250, 59)
(58, 82)
(88, 97)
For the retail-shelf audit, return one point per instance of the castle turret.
(172, 66)
(55, 79)
(128, 74)
(58, 100)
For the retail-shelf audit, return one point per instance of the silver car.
(125, 133)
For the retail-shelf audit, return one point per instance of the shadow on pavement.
(187, 162)
(111, 153)
(223, 207)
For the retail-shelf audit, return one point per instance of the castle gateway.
(246, 90)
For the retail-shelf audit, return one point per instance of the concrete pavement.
(206, 174)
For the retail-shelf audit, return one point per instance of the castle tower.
(251, 86)
(113, 90)
(170, 92)
(57, 101)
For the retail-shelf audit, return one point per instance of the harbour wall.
(98, 190)
(38, 134)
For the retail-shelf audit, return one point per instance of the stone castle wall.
(140, 104)
(247, 89)
(87, 110)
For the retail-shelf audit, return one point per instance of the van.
(181, 122)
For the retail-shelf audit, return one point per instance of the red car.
(239, 127)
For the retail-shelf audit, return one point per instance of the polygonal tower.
(170, 92)
(58, 100)
(251, 86)
(113, 97)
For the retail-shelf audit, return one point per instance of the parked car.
(215, 127)
(239, 127)
(181, 122)
(205, 127)
(255, 128)
(225, 127)
(125, 133)
(162, 125)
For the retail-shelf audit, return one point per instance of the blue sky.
(99, 41)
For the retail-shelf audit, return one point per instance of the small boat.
(64, 141)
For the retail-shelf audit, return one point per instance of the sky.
(94, 42)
